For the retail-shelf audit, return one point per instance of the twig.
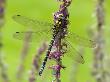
(98, 66)
(36, 61)
(3, 68)
(57, 54)
(23, 55)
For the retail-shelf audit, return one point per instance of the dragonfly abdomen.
(47, 54)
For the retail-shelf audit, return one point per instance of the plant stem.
(36, 61)
(3, 68)
(98, 66)
(23, 55)
(64, 12)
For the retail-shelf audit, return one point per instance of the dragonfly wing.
(74, 38)
(34, 36)
(31, 23)
(73, 53)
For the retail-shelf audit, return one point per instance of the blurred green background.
(81, 20)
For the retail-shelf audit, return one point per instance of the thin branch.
(99, 55)
(36, 61)
(3, 68)
(23, 55)
(57, 54)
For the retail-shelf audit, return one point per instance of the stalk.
(57, 53)
(36, 62)
(23, 56)
(3, 68)
(98, 71)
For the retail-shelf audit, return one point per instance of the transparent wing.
(34, 36)
(31, 23)
(73, 53)
(74, 38)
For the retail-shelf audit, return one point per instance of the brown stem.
(23, 55)
(64, 11)
(3, 74)
(98, 66)
(36, 61)
(59, 60)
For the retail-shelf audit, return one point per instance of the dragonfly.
(51, 31)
